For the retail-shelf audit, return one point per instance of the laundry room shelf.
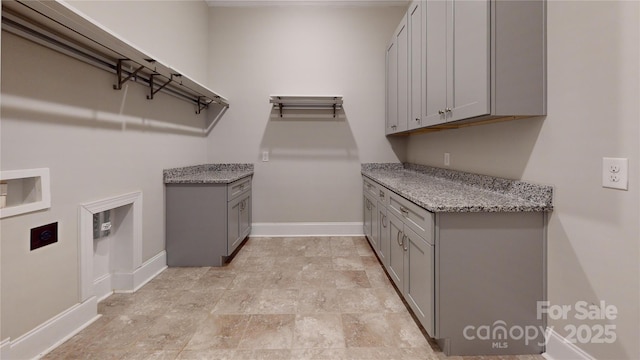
(61, 27)
(302, 102)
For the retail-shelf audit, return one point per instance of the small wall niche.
(23, 191)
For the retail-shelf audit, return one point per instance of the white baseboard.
(307, 229)
(5, 347)
(558, 348)
(50, 334)
(131, 282)
(103, 287)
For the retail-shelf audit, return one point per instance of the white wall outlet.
(447, 159)
(265, 156)
(615, 173)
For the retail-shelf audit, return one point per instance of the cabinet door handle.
(242, 205)
(398, 238)
(404, 210)
(368, 204)
(447, 110)
(418, 119)
(441, 112)
(404, 243)
(381, 194)
(242, 187)
(384, 218)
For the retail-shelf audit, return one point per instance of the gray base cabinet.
(206, 222)
(464, 273)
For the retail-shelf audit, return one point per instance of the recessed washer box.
(27, 190)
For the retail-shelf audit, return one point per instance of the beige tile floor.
(280, 298)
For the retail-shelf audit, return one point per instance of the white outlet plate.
(447, 159)
(615, 173)
(265, 156)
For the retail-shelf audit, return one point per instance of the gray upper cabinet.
(397, 61)
(468, 68)
(435, 65)
(417, 54)
(392, 87)
(474, 61)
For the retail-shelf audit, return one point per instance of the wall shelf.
(301, 102)
(57, 25)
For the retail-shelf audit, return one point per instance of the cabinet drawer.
(238, 187)
(417, 218)
(370, 187)
(383, 195)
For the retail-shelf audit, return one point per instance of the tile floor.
(280, 298)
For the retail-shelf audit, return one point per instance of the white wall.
(172, 31)
(314, 170)
(593, 113)
(88, 159)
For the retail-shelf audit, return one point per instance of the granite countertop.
(444, 190)
(207, 174)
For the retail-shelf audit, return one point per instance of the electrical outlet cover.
(615, 173)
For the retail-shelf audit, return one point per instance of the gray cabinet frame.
(474, 269)
(205, 223)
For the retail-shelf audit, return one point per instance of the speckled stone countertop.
(207, 174)
(443, 190)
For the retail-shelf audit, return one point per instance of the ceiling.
(355, 3)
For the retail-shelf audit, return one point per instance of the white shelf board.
(64, 19)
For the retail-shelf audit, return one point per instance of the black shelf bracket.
(280, 105)
(152, 82)
(119, 74)
(202, 105)
(334, 106)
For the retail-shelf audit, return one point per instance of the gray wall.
(89, 160)
(174, 31)
(593, 245)
(314, 170)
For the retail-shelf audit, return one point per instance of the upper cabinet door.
(402, 41)
(398, 79)
(435, 62)
(392, 87)
(416, 63)
(468, 48)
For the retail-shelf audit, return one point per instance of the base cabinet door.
(395, 266)
(233, 223)
(384, 234)
(239, 221)
(245, 221)
(369, 211)
(419, 278)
